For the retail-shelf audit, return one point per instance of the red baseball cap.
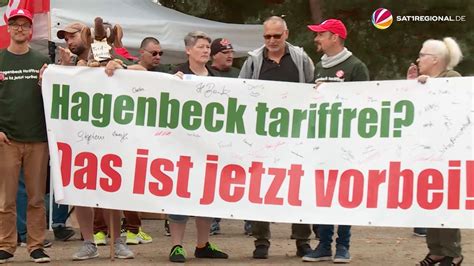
(20, 12)
(332, 25)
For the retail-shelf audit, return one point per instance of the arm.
(246, 71)
(308, 68)
(66, 57)
(112, 65)
(40, 76)
(136, 67)
(412, 72)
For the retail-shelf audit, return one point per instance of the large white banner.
(381, 153)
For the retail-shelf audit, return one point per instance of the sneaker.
(139, 238)
(215, 228)
(87, 251)
(100, 238)
(303, 250)
(421, 232)
(46, 244)
(122, 251)
(63, 233)
(167, 228)
(261, 252)
(342, 255)
(248, 228)
(39, 256)
(210, 251)
(177, 254)
(5, 257)
(320, 253)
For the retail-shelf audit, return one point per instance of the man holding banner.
(280, 61)
(23, 139)
(336, 65)
(78, 50)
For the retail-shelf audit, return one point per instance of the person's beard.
(319, 48)
(78, 50)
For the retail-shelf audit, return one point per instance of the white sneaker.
(122, 251)
(87, 251)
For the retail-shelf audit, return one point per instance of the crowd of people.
(24, 149)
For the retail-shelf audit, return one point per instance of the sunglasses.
(274, 36)
(155, 53)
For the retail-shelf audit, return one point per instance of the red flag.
(39, 9)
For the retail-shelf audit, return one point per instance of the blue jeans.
(60, 212)
(327, 231)
(21, 202)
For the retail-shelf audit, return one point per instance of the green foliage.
(387, 53)
(3, 2)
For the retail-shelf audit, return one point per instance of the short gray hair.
(276, 19)
(191, 38)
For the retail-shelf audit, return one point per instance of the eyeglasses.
(274, 36)
(25, 26)
(155, 53)
(420, 55)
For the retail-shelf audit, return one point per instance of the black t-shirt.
(186, 70)
(21, 103)
(285, 70)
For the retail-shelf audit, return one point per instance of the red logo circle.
(340, 74)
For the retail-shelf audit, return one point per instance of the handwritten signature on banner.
(209, 90)
(137, 89)
(122, 136)
(89, 137)
(254, 90)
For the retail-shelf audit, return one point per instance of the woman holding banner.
(198, 49)
(437, 58)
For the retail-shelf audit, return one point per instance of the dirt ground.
(369, 246)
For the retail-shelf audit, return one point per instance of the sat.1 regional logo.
(382, 18)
